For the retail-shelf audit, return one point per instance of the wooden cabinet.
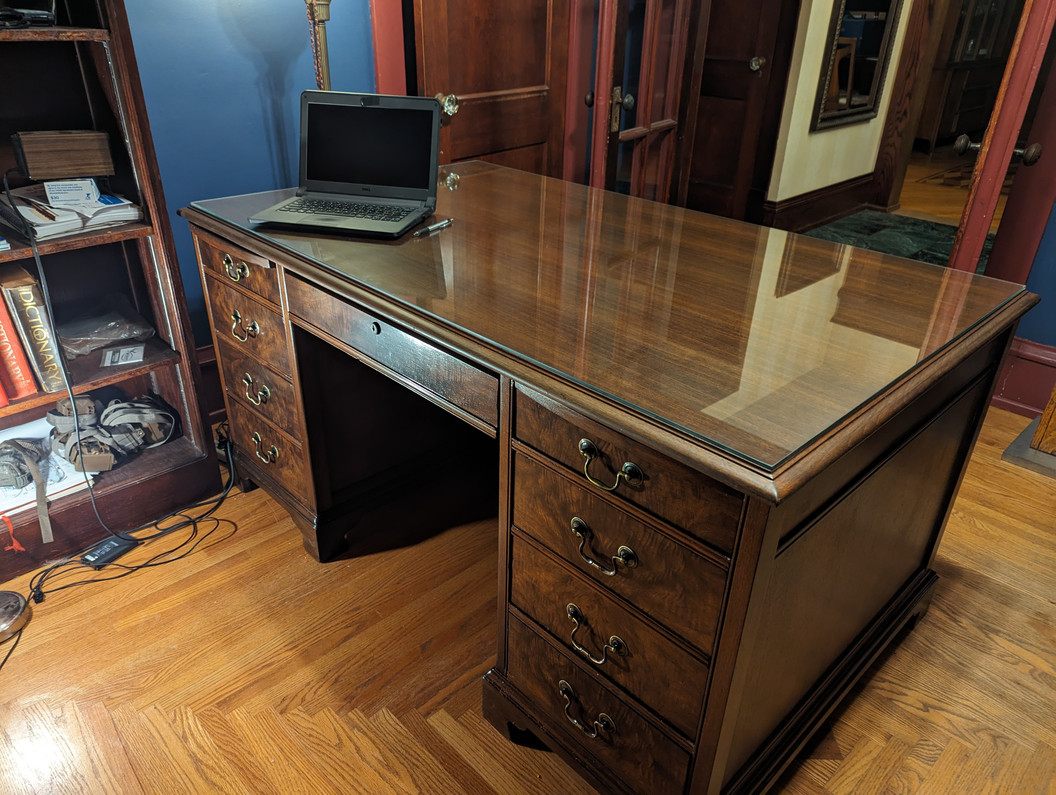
(82, 75)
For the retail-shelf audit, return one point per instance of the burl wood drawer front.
(271, 451)
(445, 375)
(673, 584)
(236, 265)
(672, 491)
(574, 705)
(256, 329)
(620, 646)
(268, 393)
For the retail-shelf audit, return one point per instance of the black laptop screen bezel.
(427, 195)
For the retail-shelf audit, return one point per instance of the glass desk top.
(752, 339)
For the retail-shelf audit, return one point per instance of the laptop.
(368, 164)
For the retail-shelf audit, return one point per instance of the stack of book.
(64, 207)
(29, 349)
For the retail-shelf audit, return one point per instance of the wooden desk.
(722, 455)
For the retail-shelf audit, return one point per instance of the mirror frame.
(822, 119)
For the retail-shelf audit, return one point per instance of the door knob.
(449, 102)
(588, 100)
(964, 144)
(756, 63)
(627, 102)
(1030, 154)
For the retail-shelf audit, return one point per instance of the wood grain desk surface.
(759, 343)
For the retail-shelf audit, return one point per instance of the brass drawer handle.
(615, 644)
(251, 330)
(235, 273)
(603, 722)
(272, 454)
(262, 394)
(625, 555)
(630, 472)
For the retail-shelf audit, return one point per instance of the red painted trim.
(1027, 378)
(386, 23)
(1029, 206)
(577, 134)
(602, 94)
(1025, 62)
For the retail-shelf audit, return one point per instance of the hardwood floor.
(247, 667)
(935, 188)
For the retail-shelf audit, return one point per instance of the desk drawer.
(236, 265)
(256, 329)
(672, 491)
(270, 394)
(634, 750)
(270, 451)
(656, 671)
(452, 379)
(674, 585)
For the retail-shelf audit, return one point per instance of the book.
(36, 330)
(50, 218)
(4, 245)
(16, 374)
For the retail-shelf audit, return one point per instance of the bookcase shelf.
(55, 34)
(20, 250)
(82, 75)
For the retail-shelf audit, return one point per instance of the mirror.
(861, 35)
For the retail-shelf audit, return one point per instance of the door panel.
(642, 46)
(505, 65)
(730, 134)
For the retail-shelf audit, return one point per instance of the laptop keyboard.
(373, 212)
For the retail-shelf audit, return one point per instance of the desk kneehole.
(452, 379)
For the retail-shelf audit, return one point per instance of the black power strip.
(107, 551)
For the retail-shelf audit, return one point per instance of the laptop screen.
(369, 145)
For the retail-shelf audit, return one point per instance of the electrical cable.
(74, 563)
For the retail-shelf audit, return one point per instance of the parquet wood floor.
(247, 667)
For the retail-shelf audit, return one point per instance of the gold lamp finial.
(319, 15)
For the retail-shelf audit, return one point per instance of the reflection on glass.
(751, 339)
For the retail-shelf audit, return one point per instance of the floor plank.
(248, 667)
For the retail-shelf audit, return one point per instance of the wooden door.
(638, 88)
(739, 73)
(995, 154)
(501, 67)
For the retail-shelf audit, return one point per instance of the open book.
(51, 218)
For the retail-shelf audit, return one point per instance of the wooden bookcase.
(82, 75)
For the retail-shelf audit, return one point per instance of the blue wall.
(222, 81)
(1039, 324)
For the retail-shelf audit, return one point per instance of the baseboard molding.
(210, 390)
(810, 210)
(1027, 377)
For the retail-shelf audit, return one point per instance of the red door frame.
(995, 154)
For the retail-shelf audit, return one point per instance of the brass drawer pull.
(235, 273)
(630, 472)
(251, 330)
(603, 722)
(262, 394)
(625, 555)
(615, 644)
(272, 454)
